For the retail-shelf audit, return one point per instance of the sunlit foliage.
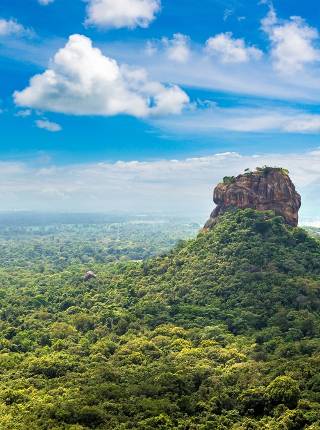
(220, 333)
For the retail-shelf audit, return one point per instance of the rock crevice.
(264, 189)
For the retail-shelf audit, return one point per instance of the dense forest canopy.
(56, 241)
(221, 333)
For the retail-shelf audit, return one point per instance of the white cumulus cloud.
(82, 81)
(231, 50)
(177, 48)
(292, 42)
(12, 27)
(45, 2)
(48, 125)
(23, 113)
(122, 13)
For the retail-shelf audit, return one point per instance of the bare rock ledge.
(266, 189)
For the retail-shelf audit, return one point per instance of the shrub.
(283, 390)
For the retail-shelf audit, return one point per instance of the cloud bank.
(173, 186)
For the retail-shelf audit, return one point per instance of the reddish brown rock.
(89, 275)
(264, 190)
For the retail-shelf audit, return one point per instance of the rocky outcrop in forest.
(265, 189)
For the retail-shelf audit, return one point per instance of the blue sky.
(88, 83)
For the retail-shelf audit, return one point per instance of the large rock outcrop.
(264, 189)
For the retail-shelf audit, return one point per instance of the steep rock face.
(264, 189)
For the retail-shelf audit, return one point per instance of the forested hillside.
(220, 333)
